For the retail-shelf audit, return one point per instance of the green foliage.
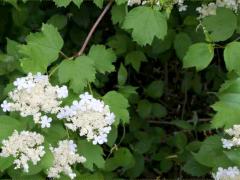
(227, 107)
(143, 61)
(210, 149)
(199, 55)
(145, 23)
(68, 71)
(232, 56)
(93, 153)
(118, 105)
(8, 125)
(104, 62)
(41, 50)
(222, 25)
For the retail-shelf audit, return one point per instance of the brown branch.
(80, 52)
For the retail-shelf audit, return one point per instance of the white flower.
(62, 92)
(207, 10)
(64, 156)
(90, 116)
(133, 2)
(5, 106)
(235, 140)
(24, 147)
(35, 95)
(231, 173)
(182, 8)
(45, 122)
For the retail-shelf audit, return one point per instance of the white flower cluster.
(179, 3)
(235, 141)
(24, 146)
(231, 173)
(64, 156)
(91, 116)
(210, 9)
(35, 95)
(134, 2)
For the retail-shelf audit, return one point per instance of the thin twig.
(79, 53)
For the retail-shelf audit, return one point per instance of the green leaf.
(104, 62)
(118, 105)
(232, 56)
(210, 149)
(58, 20)
(79, 72)
(119, 2)
(155, 89)
(118, 14)
(112, 136)
(233, 155)
(8, 63)
(138, 168)
(99, 3)
(146, 23)
(199, 55)
(121, 158)
(65, 3)
(144, 108)
(228, 106)
(12, 48)
(93, 154)
(158, 111)
(119, 43)
(45, 163)
(222, 25)
(193, 168)
(8, 125)
(181, 44)
(122, 75)
(78, 2)
(41, 50)
(6, 162)
(88, 176)
(54, 133)
(135, 58)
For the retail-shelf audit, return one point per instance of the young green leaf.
(93, 154)
(41, 50)
(135, 58)
(232, 56)
(181, 44)
(145, 23)
(155, 89)
(122, 75)
(210, 149)
(222, 25)
(118, 105)
(78, 72)
(65, 3)
(103, 58)
(121, 158)
(228, 106)
(8, 125)
(199, 55)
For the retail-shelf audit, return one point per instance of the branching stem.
(80, 52)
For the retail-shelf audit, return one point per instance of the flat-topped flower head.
(65, 155)
(24, 147)
(231, 173)
(90, 116)
(34, 95)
